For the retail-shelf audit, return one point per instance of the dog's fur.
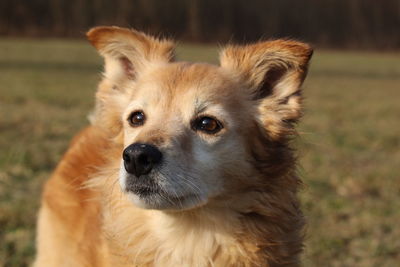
(229, 198)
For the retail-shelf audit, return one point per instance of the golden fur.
(244, 211)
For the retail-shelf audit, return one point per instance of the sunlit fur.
(229, 198)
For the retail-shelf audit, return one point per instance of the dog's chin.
(161, 201)
(153, 196)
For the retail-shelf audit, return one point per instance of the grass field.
(349, 143)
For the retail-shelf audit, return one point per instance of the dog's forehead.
(183, 80)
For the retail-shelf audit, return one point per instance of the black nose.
(139, 159)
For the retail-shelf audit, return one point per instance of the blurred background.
(330, 23)
(349, 139)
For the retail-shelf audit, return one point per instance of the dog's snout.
(139, 159)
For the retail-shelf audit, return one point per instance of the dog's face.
(189, 131)
(180, 133)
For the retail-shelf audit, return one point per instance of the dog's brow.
(200, 106)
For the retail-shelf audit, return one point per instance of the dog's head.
(195, 133)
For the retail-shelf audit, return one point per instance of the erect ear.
(127, 52)
(272, 72)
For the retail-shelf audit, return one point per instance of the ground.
(349, 144)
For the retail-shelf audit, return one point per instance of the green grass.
(350, 145)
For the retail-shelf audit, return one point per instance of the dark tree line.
(331, 23)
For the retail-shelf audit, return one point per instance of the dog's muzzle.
(140, 159)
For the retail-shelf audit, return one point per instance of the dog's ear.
(272, 72)
(127, 52)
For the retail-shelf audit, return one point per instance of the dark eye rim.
(195, 122)
(136, 124)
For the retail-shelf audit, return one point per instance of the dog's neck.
(158, 238)
(221, 235)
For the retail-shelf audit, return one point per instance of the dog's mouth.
(143, 186)
(144, 190)
(150, 195)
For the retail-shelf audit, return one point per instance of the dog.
(184, 164)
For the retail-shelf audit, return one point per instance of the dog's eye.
(136, 118)
(207, 124)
